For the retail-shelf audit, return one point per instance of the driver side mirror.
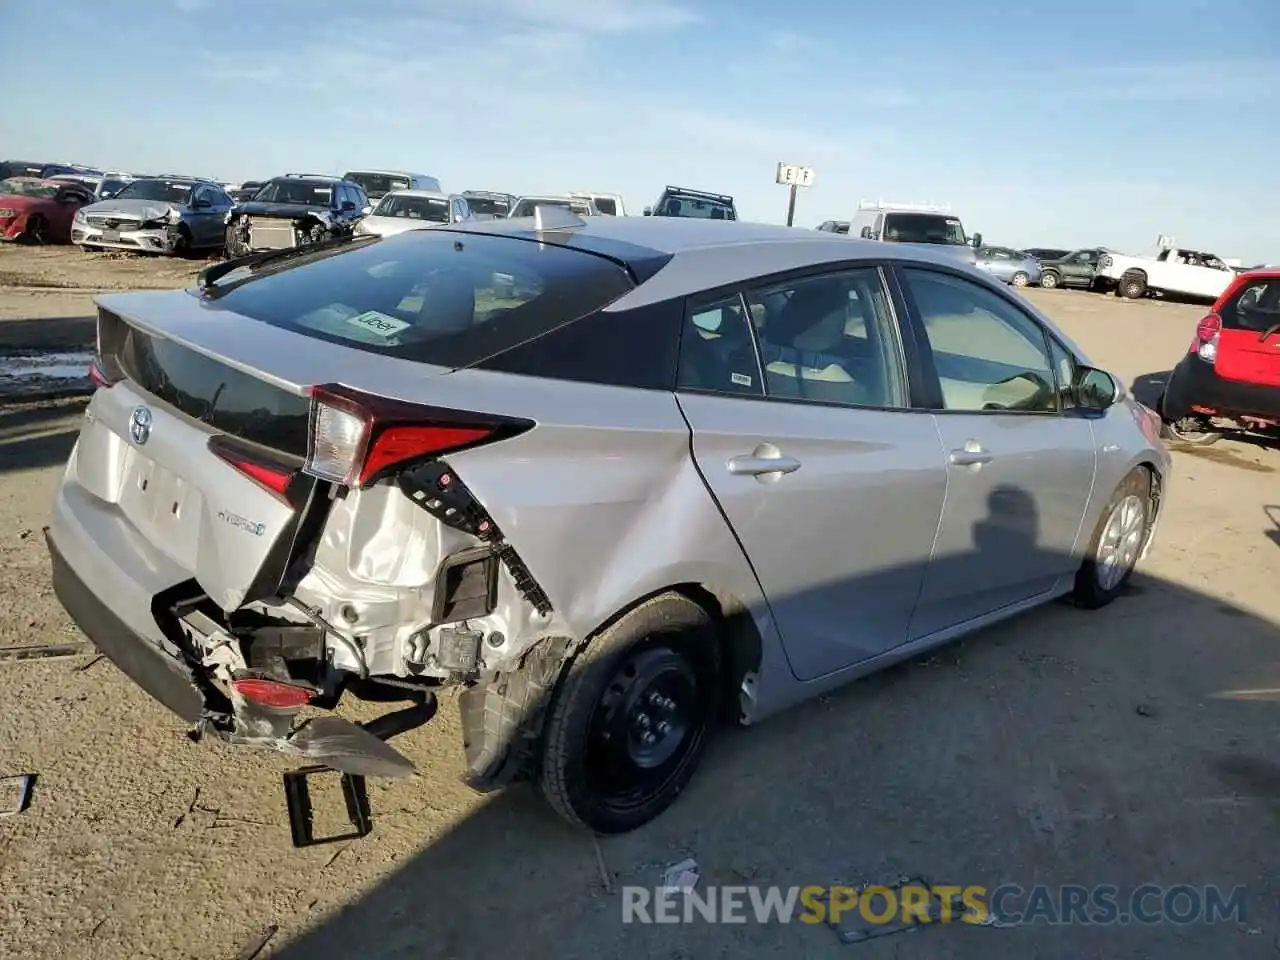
(866, 233)
(1096, 389)
(976, 240)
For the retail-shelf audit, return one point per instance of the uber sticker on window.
(379, 323)
(741, 379)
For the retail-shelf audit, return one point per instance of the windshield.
(111, 185)
(695, 207)
(378, 184)
(526, 207)
(488, 206)
(163, 191)
(21, 187)
(309, 193)
(923, 228)
(428, 296)
(435, 209)
(1256, 309)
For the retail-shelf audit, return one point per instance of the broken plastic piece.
(681, 877)
(15, 793)
(297, 795)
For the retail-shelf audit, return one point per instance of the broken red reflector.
(97, 377)
(272, 693)
(273, 477)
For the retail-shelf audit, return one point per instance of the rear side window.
(1257, 308)
(433, 297)
(606, 206)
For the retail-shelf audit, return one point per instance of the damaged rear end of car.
(267, 506)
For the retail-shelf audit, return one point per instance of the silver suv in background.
(157, 215)
(921, 224)
(378, 183)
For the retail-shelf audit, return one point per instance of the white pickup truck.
(1173, 270)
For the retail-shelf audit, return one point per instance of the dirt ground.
(1064, 747)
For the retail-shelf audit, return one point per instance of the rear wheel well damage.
(504, 716)
(1154, 500)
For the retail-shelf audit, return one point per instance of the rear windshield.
(606, 206)
(378, 184)
(439, 297)
(696, 207)
(1257, 308)
(435, 209)
(922, 228)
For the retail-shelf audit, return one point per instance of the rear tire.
(1117, 540)
(37, 230)
(1133, 286)
(632, 715)
(1050, 280)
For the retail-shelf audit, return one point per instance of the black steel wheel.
(631, 719)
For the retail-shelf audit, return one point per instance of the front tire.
(1133, 286)
(632, 717)
(1020, 279)
(1050, 280)
(1117, 540)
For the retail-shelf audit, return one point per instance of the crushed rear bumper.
(164, 677)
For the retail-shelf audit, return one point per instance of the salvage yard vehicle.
(1076, 268)
(1230, 375)
(694, 204)
(155, 216)
(834, 226)
(920, 224)
(611, 477)
(525, 206)
(378, 183)
(1014, 267)
(489, 204)
(607, 204)
(40, 211)
(1173, 270)
(296, 209)
(402, 210)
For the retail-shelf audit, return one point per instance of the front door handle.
(748, 466)
(970, 455)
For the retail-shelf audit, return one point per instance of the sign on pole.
(792, 176)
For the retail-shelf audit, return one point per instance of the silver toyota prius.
(614, 479)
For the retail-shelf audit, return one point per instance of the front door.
(1020, 468)
(833, 487)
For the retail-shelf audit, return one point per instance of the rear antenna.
(548, 217)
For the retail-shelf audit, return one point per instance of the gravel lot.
(1062, 748)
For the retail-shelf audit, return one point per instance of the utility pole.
(793, 177)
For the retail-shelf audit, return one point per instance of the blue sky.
(1042, 124)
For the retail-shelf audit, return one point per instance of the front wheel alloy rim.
(1049, 280)
(1121, 540)
(645, 723)
(1019, 279)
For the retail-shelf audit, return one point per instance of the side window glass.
(989, 355)
(1064, 368)
(830, 339)
(716, 349)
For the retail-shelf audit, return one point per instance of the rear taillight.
(274, 477)
(355, 437)
(1205, 345)
(98, 377)
(272, 693)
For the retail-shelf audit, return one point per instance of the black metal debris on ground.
(256, 945)
(47, 650)
(15, 793)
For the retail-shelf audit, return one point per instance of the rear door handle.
(970, 456)
(752, 466)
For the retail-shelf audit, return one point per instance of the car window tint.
(830, 339)
(1257, 308)
(1064, 369)
(716, 349)
(989, 355)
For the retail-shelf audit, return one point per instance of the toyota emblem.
(140, 425)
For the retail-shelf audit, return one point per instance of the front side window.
(1064, 368)
(830, 339)
(989, 355)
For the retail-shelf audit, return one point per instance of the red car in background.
(1230, 377)
(38, 210)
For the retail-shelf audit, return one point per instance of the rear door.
(1020, 466)
(805, 435)
(1249, 343)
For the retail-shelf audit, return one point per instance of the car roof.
(438, 194)
(388, 173)
(705, 254)
(1266, 273)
